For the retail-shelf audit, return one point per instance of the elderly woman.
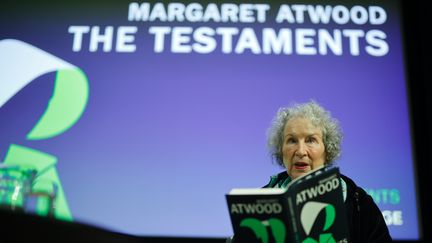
(304, 137)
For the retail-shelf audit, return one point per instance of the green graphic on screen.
(20, 64)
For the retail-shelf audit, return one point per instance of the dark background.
(416, 25)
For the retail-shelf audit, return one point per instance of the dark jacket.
(365, 220)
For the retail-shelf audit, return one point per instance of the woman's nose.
(301, 150)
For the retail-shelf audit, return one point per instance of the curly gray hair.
(331, 131)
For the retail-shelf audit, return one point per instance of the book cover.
(311, 209)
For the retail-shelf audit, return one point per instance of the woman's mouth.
(301, 165)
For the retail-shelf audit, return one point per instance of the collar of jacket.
(279, 180)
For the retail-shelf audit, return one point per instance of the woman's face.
(303, 148)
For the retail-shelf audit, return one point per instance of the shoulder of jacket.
(356, 192)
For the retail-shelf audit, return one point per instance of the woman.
(304, 137)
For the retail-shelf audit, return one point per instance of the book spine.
(293, 221)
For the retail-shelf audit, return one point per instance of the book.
(310, 209)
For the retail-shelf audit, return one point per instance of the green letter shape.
(257, 227)
(45, 165)
(278, 230)
(65, 107)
